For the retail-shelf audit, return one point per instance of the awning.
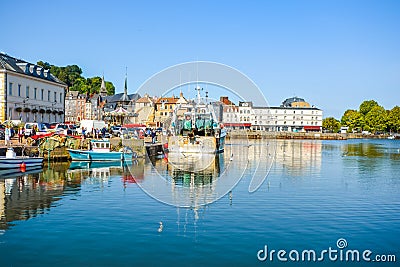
(237, 124)
(312, 128)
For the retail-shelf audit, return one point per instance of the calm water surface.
(98, 215)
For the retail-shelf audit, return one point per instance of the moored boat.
(11, 161)
(101, 151)
(197, 131)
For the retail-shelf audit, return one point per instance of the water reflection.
(32, 193)
(25, 195)
(296, 157)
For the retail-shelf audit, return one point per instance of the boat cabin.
(100, 145)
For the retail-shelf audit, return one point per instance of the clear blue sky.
(335, 54)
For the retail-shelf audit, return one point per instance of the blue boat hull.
(88, 155)
(15, 163)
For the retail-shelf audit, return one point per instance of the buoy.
(22, 167)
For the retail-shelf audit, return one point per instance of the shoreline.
(243, 134)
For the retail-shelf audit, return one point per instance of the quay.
(247, 134)
(141, 146)
(144, 147)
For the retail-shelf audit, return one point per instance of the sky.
(334, 54)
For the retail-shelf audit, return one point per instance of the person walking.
(7, 135)
(20, 134)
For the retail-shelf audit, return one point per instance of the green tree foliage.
(367, 105)
(331, 124)
(376, 119)
(353, 119)
(394, 119)
(110, 88)
(72, 76)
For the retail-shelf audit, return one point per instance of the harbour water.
(316, 193)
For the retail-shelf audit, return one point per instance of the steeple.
(103, 89)
(125, 96)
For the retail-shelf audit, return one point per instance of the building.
(29, 92)
(164, 107)
(75, 104)
(294, 115)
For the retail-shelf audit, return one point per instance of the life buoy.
(22, 167)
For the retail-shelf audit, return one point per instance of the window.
(42, 94)
(27, 91)
(34, 93)
(294, 112)
(48, 95)
(55, 97)
(10, 88)
(19, 90)
(61, 97)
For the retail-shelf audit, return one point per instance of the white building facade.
(29, 93)
(294, 115)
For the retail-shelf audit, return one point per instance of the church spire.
(125, 96)
(103, 88)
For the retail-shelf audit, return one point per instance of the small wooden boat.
(100, 151)
(11, 161)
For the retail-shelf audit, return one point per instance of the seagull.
(160, 228)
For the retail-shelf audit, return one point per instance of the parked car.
(61, 128)
(115, 130)
(40, 128)
(119, 131)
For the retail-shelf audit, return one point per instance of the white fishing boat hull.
(198, 144)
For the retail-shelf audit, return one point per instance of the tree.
(353, 119)
(45, 65)
(376, 119)
(394, 119)
(367, 105)
(331, 124)
(72, 76)
(110, 88)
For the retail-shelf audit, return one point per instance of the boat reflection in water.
(185, 180)
(25, 195)
(100, 172)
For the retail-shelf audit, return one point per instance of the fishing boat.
(196, 129)
(12, 161)
(100, 150)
